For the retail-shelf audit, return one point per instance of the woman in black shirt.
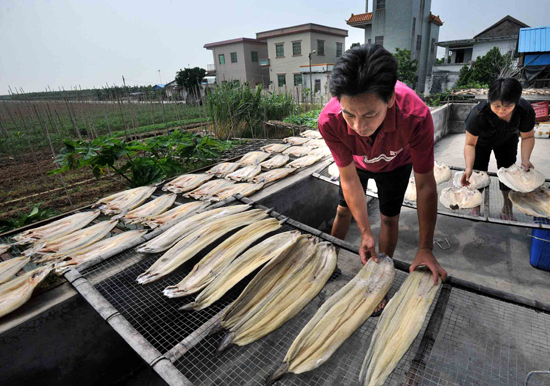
(495, 125)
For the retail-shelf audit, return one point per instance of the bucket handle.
(534, 237)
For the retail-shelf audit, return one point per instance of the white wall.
(480, 49)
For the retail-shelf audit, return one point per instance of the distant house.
(238, 60)
(158, 87)
(404, 24)
(503, 34)
(534, 52)
(173, 91)
(289, 50)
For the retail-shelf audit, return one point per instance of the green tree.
(353, 45)
(464, 76)
(406, 70)
(487, 68)
(191, 79)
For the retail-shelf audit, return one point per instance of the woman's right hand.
(465, 180)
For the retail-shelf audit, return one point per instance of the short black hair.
(365, 69)
(506, 90)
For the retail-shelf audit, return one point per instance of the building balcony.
(264, 62)
(210, 67)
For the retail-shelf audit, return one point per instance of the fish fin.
(277, 374)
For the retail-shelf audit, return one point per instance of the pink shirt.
(407, 135)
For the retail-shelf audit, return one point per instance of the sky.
(76, 43)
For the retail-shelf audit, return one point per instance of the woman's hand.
(527, 165)
(465, 180)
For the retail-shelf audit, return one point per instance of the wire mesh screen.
(253, 363)
(483, 341)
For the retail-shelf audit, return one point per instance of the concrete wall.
(481, 48)
(330, 48)
(288, 64)
(458, 113)
(440, 118)
(506, 28)
(254, 73)
(368, 34)
(230, 71)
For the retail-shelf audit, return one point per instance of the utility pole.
(310, 78)
(160, 78)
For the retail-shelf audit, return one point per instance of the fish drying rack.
(489, 211)
(472, 335)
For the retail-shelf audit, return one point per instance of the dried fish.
(275, 162)
(99, 251)
(10, 267)
(279, 291)
(53, 249)
(516, 178)
(208, 189)
(186, 182)
(333, 171)
(276, 148)
(190, 245)
(253, 158)
(460, 198)
(125, 200)
(305, 161)
(296, 141)
(242, 266)
(157, 206)
(338, 318)
(410, 193)
(223, 169)
(478, 180)
(4, 248)
(273, 175)
(243, 189)
(311, 134)
(323, 151)
(535, 203)
(177, 232)
(398, 326)
(212, 264)
(298, 151)
(316, 143)
(57, 228)
(18, 291)
(442, 172)
(244, 174)
(175, 215)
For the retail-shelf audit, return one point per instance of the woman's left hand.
(527, 165)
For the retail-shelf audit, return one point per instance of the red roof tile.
(435, 19)
(360, 18)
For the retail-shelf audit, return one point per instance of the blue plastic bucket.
(540, 246)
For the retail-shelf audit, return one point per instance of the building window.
(297, 79)
(414, 26)
(317, 85)
(421, 8)
(281, 80)
(379, 40)
(254, 56)
(339, 49)
(433, 45)
(369, 42)
(221, 58)
(320, 47)
(233, 57)
(380, 4)
(296, 48)
(418, 42)
(280, 50)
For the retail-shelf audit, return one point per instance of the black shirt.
(491, 130)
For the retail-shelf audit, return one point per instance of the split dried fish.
(478, 180)
(305, 161)
(157, 206)
(398, 326)
(279, 292)
(244, 174)
(298, 151)
(18, 291)
(208, 189)
(296, 141)
(223, 169)
(190, 245)
(186, 182)
(338, 318)
(100, 251)
(460, 198)
(53, 249)
(276, 148)
(4, 248)
(516, 178)
(10, 267)
(244, 265)
(243, 189)
(125, 200)
(175, 215)
(442, 172)
(212, 264)
(323, 151)
(333, 171)
(275, 162)
(535, 203)
(410, 193)
(57, 228)
(183, 228)
(253, 158)
(273, 175)
(311, 134)
(316, 143)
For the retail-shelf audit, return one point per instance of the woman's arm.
(527, 145)
(469, 157)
